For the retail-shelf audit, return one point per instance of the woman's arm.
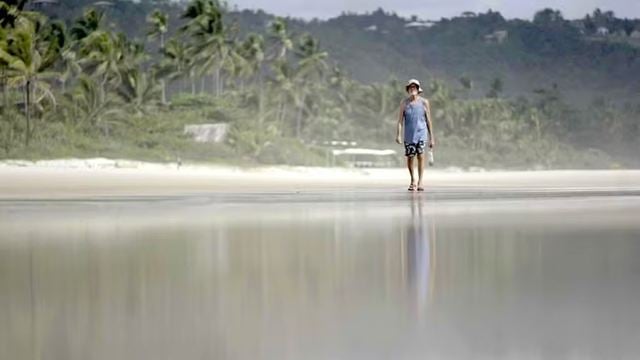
(427, 109)
(400, 123)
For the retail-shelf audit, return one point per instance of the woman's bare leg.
(420, 169)
(411, 170)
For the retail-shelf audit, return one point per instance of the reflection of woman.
(419, 254)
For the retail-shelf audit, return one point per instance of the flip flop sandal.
(412, 187)
(420, 189)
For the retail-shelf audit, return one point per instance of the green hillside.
(535, 54)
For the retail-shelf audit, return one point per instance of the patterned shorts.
(411, 150)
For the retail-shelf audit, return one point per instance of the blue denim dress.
(415, 127)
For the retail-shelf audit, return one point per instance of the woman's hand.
(398, 139)
(432, 143)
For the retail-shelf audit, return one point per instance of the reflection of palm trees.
(419, 256)
(32, 303)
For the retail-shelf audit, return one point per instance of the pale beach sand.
(84, 178)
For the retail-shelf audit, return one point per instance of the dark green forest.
(121, 79)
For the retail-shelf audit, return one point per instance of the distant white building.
(497, 37)
(635, 34)
(207, 133)
(371, 28)
(418, 25)
(602, 31)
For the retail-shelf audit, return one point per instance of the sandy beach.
(83, 178)
(113, 259)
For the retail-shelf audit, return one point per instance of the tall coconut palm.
(239, 66)
(134, 54)
(4, 65)
(139, 90)
(89, 22)
(91, 105)
(70, 67)
(212, 56)
(106, 55)
(311, 68)
(377, 104)
(341, 87)
(209, 46)
(280, 38)
(284, 90)
(176, 63)
(158, 27)
(280, 44)
(9, 12)
(253, 50)
(32, 48)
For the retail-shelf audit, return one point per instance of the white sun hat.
(413, 82)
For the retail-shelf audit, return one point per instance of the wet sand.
(302, 263)
(358, 276)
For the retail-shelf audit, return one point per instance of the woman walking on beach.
(415, 118)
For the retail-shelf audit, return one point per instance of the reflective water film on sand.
(401, 278)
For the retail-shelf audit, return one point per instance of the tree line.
(83, 88)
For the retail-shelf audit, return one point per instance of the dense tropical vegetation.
(85, 86)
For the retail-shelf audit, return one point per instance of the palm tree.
(70, 66)
(252, 50)
(106, 56)
(67, 63)
(340, 85)
(375, 107)
(4, 65)
(32, 48)
(159, 25)
(281, 70)
(213, 56)
(210, 47)
(9, 12)
(138, 89)
(239, 66)
(101, 57)
(282, 81)
(177, 63)
(89, 23)
(311, 67)
(91, 104)
(279, 35)
(133, 52)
